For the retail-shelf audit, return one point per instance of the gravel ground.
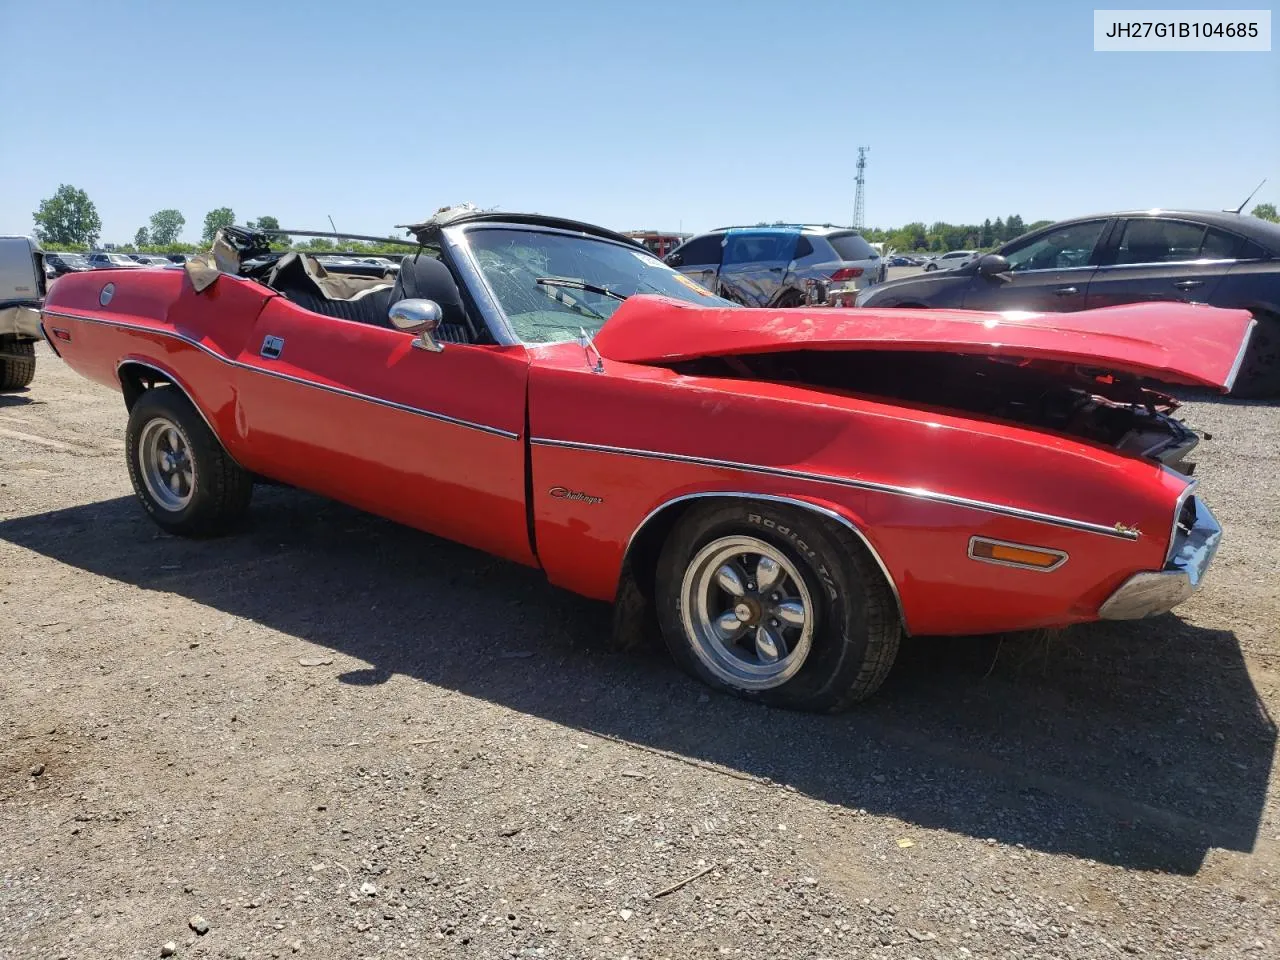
(330, 736)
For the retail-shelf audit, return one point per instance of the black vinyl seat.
(423, 277)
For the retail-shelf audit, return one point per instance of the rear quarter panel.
(886, 465)
(157, 318)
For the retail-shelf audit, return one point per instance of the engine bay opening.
(1118, 411)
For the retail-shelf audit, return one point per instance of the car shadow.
(15, 399)
(1141, 744)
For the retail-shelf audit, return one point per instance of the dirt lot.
(332, 737)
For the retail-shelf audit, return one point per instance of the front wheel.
(772, 603)
(181, 473)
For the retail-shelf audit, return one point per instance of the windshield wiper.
(578, 285)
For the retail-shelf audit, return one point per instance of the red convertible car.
(787, 492)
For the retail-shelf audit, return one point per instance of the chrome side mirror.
(421, 317)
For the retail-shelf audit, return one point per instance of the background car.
(111, 261)
(149, 260)
(771, 266)
(1223, 259)
(66, 263)
(949, 260)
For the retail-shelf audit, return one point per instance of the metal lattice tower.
(859, 198)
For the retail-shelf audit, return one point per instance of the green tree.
(165, 226)
(1266, 211)
(69, 216)
(215, 220)
(140, 239)
(1014, 227)
(264, 223)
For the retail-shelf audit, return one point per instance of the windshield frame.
(458, 248)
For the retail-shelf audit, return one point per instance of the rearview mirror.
(421, 317)
(992, 264)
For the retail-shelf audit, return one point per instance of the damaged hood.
(1175, 343)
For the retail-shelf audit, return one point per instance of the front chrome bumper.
(1156, 592)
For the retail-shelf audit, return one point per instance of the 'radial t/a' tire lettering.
(773, 603)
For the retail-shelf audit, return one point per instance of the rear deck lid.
(1175, 343)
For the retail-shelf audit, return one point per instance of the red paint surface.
(1172, 342)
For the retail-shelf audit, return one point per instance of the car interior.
(304, 280)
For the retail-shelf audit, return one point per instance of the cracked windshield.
(551, 286)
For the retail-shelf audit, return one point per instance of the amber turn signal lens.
(1015, 554)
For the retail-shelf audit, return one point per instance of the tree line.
(69, 221)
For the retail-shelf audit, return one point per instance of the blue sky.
(656, 114)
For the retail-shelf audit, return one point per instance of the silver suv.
(779, 265)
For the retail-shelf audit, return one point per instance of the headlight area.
(1193, 542)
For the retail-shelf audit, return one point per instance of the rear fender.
(136, 375)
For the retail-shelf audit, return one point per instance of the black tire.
(789, 300)
(857, 630)
(221, 489)
(1259, 375)
(17, 372)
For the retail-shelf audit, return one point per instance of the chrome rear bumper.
(1156, 592)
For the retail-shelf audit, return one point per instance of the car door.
(699, 259)
(358, 413)
(1050, 271)
(755, 265)
(1154, 258)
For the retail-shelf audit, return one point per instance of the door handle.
(1065, 291)
(271, 347)
(1189, 284)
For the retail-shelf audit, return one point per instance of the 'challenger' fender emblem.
(564, 493)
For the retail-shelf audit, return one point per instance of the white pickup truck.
(22, 290)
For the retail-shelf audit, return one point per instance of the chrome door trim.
(1167, 263)
(773, 498)
(340, 391)
(1118, 531)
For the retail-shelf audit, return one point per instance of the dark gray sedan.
(1223, 259)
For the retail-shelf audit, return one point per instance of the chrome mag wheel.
(747, 612)
(164, 460)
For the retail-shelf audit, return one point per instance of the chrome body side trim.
(1153, 592)
(790, 501)
(1244, 348)
(1061, 554)
(917, 493)
(340, 391)
(1168, 263)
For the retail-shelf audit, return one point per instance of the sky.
(657, 114)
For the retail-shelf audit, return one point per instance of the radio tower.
(859, 201)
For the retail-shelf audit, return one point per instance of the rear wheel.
(179, 470)
(18, 363)
(1259, 374)
(790, 299)
(771, 603)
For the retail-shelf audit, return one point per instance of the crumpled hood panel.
(1177, 343)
